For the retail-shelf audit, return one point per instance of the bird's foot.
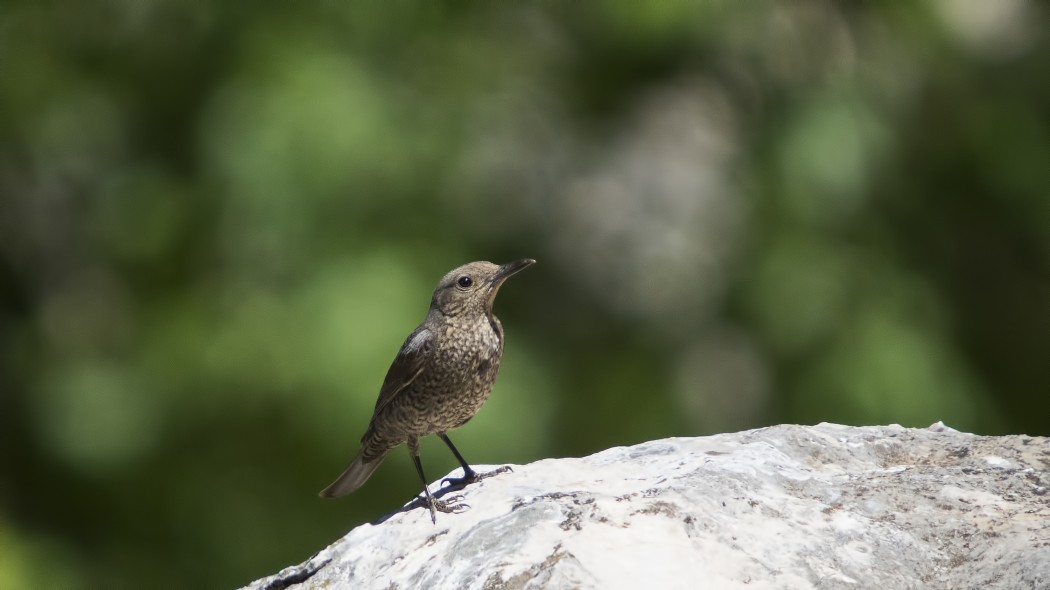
(453, 505)
(473, 476)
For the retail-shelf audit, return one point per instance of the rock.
(785, 507)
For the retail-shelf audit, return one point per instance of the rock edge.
(785, 507)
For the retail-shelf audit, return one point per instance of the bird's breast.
(460, 372)
(467, 351)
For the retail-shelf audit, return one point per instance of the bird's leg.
(449, 506)
(469, 475)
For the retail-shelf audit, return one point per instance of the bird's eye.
(465, 282)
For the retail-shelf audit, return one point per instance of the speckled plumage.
(461, 358)
(441, 377)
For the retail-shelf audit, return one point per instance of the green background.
(218, 224)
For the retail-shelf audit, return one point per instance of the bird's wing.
(407, 365)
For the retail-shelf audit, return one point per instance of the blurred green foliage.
(218, 223)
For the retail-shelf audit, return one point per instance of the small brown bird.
(439, 379)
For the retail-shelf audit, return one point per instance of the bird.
(440, 378)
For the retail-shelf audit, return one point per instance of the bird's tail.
(354, 476)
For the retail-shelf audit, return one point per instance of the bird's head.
(471, 288)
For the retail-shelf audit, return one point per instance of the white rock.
(785, 507)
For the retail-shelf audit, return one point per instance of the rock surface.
(783, 507)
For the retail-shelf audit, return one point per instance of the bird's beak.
(509, 269)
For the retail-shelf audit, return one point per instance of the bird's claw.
(453, 505)
(473, 477)
(460, 482)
